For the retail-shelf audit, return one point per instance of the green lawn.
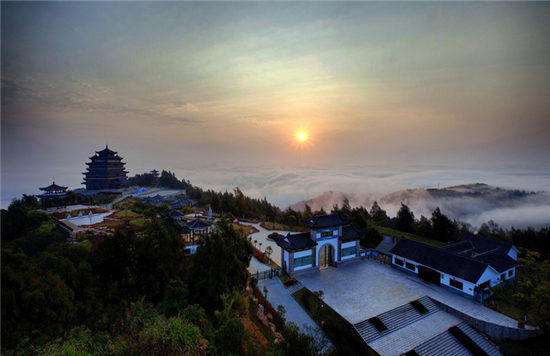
(395, 233)
(125, 214)
(139, 222)
(337, 329)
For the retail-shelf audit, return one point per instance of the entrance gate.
(326, 256)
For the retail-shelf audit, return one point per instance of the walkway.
(363, 289)
(257, 266)
(277, 295)
(261, 236)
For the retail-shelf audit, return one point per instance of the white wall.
(303, 254)
(405, 261)
(347, 245)
(489, 274)
(467, 287)
(192, 249)
(513, 253)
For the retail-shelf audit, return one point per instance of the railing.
(372, 254)
(272, 273)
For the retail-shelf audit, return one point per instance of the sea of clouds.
(361, 184)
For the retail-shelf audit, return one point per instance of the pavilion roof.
(197, 224)
(53, 188)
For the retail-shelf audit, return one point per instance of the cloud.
(88, 96)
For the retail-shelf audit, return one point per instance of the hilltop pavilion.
(54, 194)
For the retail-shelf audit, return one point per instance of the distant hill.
(474, 203)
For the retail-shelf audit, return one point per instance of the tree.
(443, 228)
(219, 266)
(308, 214)
(268, 252)
(424, 227)
(378, 214)
(405, 219)
(298, 343)
(346, 207)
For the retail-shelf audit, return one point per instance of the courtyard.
(362, 289)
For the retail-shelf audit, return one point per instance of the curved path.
(262, 236)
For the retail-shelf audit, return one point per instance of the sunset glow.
(301, 137)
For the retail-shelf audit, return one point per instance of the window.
(398, 261)
(503, 276)
(348, 251)
(303, 261)
(187, 251)
(456, 284)
(410, 266)
(510, 273)
(326, 234)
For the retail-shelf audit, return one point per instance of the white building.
(467, 267)
(330, 242)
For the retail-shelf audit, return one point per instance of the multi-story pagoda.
(105, 171)
(53, 194)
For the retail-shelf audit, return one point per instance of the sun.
(301, 136)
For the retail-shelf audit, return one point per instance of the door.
(429, 275)
(326, 256)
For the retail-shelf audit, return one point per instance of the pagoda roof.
(53, 188)
(106, 151)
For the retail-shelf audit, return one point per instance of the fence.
(272, 273)
(491, 329)
(372, 254)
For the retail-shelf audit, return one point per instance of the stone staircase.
(394, 320)
(445, 344)
(479, 339)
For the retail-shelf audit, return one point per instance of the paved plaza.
(362, 289)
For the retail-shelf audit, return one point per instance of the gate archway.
(326, 256)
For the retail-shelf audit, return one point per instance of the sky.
(445, 93)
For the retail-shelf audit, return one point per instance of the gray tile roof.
(456, 265)
(321, 221)
(295, 242)
(349, 233)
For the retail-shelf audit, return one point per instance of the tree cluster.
(132, 294)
